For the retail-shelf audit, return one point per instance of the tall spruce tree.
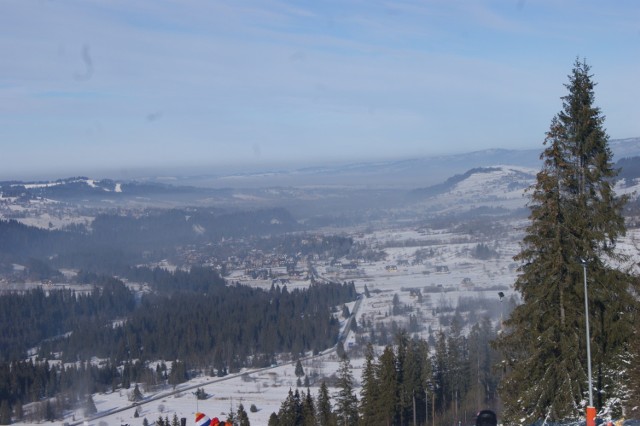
(404, 392)
(242, 416)
(441, 376)
(457, 364)
(417, 372)
(323, 407)
(90, 407)
(291, 409)
(369, 405)
(575, 215)
(346, 399)
(387, 387)
(308, 410)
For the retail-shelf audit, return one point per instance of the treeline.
(26, 319)
(202, 316)
(448, 380)
(198, 279)
(116, 241)
(20, 242)
(226, 329)
(407, 383)
(164, 228)
(56, 388)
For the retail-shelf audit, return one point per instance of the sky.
(96, 87)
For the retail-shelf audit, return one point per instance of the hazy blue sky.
(92, 85)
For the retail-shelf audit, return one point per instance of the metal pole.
(590, 411)
(586, 313)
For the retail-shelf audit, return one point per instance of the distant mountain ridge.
(504, 186)
(488, 176)
(84, 188)
(419, 172)
(398, 173)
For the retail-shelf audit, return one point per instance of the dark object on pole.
(486, 418)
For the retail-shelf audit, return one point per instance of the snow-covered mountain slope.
(74, 186)
(498, 187)
(625, 148)
(504, 185)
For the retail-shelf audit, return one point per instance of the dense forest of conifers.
(406, 383)
(115, 241)
(27, 319)
(230, 327)
(203, 317)
(55, 387)
(194, 317)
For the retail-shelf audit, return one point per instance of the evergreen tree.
(273, 420)
(346, 400)
(477, 359)
(387, 387)
(231, 416)
(326, 416)
(242, 416)
(136, 395)
(178, 373)
(308, 410)
(426, 376)
(90, 407)
(574, 215)
(342, 354)
(5, 413)
(417, 372)
(299, 370)
(441, 386)
(175, 421)
(406, 367)
(457, 365)
(369, 412)
(291, 409)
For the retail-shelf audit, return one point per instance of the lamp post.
(591, 411)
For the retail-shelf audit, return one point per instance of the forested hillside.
(225, 329)
(27, 319)
(114, 241)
